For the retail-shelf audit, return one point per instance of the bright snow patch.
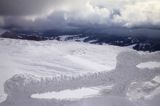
(3, 97)
(157, 79)
(92, 65)
(149, 65)
(68, 94)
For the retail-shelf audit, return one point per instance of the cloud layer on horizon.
(56, 14)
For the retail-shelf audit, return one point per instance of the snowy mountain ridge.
(142, 43)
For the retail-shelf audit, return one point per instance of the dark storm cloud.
(53, 14)
(25, 7)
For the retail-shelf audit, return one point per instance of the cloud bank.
(70, 14)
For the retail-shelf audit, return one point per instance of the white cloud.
(143, 13)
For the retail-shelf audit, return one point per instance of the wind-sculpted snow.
(128, 83)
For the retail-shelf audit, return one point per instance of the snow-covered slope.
(52, 58)
(50, 68)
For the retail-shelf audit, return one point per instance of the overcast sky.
(57, 14)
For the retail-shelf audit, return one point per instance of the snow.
(143, 90)
(94, 66)
(68, 94)
(157, 79)
(72, 38)
(68, 73)
(150, 65)
(54, 58)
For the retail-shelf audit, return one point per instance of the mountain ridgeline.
(140, 43)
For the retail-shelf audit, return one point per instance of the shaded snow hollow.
(63, 65)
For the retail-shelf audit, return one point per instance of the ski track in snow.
(49, 67)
